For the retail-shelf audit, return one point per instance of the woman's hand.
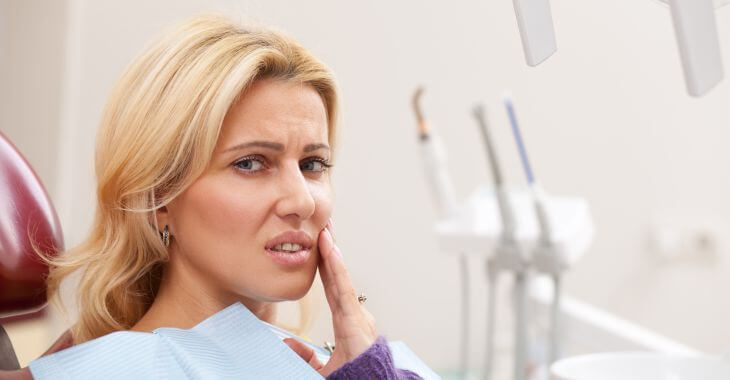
(353, 325)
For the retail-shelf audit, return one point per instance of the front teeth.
(288, 247)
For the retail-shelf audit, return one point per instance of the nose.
(295, 200)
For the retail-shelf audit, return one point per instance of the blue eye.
(314, 165)
(249, 164)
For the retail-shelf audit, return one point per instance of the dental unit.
(523, 231)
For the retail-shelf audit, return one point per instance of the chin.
(292, 290)
(298, 291)
(294, 295)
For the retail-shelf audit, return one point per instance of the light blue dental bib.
(232, 343)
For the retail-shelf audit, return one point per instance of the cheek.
(213, 214)
(233, 213)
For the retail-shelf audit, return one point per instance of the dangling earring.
(166, 236)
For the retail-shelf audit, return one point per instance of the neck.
(183, 301)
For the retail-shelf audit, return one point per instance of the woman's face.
(247, 229)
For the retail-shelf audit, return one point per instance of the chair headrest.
(27, 220)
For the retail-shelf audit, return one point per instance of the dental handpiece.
(537, 192)
(507, 237)
(435, 159)
(505, 208)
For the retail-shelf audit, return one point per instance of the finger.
(332, 258)
(304, 352)
(371, 320)
(325, 252)
(330, 290)
(331, 228)
(346, 297)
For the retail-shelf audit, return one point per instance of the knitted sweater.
(375, 363)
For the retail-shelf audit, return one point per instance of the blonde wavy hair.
(157, 135)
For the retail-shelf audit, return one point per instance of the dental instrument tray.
(476, 226)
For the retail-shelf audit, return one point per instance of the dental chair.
(28, 223)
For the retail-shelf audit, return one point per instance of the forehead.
(283, 111)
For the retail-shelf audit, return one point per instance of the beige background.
(607, 118)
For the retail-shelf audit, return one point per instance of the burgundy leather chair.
(27, 220)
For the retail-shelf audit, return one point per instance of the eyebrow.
(312, 147)
(275, 146)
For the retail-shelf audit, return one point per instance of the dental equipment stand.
(508, 256)
(436, 170)
(477, 224)
(558, 240)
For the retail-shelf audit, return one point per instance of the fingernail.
(328, 235)
(334, 246)
(331, 226)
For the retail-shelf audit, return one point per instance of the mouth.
(291, 248)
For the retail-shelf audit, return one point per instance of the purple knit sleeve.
(375, 363)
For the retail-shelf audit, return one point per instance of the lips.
(292, 237)
(292, 259)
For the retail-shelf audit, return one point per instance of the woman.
(214, 199)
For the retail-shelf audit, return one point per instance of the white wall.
(31, 50)
(4, 33)
(606, 118)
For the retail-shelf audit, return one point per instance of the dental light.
(535, 22)
(695, 28)
(699, 44)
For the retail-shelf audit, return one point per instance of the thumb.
(304, 352)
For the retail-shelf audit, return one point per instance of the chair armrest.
(18, 374)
